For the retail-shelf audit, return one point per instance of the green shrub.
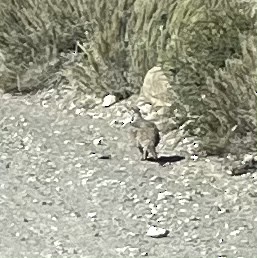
(33, 33)
(213, 50)
(105, 66)
(206, 47)
(124, 46)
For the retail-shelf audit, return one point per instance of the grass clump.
(207, 49)
(33, 33)
(213, 47)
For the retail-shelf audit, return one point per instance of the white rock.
(157, 232)
(78, 111)
(122, 250)
(92, 215)
(78, 165)
(109, 100)
(248, 158)
(146, 108)
(72, 106)
(156, 88)
(235, 233)
(163, 195)
(194, 157)
(84, 181)
(98, 141)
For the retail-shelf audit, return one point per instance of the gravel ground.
(62, 195)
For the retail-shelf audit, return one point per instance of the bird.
(145, 134)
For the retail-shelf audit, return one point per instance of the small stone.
(157, 232)
(223, 210)
(78, 165)
(154, 211)
(159, 186)
(80, 143)
(146, 108)
(163, 195)
(98, 141)
(186, 220)
(235, 233)
(72, 106)
(248, 158)
(194, 157)
(53, 228)
(84, 181)
(57, 243)
(78, 111)
(126, 121)
(109, 100)
(92, 215)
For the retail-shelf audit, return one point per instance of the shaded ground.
(59, 198)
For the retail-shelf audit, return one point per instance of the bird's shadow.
(162, 160)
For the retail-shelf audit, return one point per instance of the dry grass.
(210, 47)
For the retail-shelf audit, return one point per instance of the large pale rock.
(156, 88)
(155, 99)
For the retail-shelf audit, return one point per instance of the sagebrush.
(207, 49)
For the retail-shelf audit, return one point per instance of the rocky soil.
(73, 185)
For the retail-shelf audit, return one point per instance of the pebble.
(84, 181)
(194, 157)
(248, 158)
(109, 100)
(235, 233)
(146, 108)
(163, 195)
(92, 215)
(98, 141)
(157, 232)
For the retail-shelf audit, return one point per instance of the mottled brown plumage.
(145, 134)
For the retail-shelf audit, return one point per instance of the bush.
(213, 50)
(33, 33)
(124, 46)
(207, 49)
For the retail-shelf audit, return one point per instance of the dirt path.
(63, 196)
